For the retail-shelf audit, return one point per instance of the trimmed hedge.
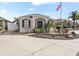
(38, 30)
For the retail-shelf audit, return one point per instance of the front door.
(39, 24)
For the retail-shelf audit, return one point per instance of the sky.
(10, 10)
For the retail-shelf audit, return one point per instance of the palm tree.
(73, 17)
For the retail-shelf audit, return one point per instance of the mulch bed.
(42, 35)
(55, 37)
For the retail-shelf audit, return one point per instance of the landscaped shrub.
(42, 30)
(65, 26)
(38, 30)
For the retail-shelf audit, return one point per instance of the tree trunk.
(73, 24)
(76, 23)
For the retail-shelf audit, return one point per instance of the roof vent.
(30, 16)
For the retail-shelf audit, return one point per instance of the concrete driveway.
(23, 45)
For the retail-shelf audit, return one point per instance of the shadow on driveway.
(77, 53)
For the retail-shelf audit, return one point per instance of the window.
(1, 23)
(29, 23)
(22, 23)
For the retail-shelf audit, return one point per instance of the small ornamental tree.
(48, 26)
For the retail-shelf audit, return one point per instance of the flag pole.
(61, 11)
(61, 20)
(61, 17)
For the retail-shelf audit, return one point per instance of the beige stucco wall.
(3, 25)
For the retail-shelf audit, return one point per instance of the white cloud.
(18, 15)
(38, 3)
(30, 0)
(39, 0)
(54, 17)
(34, 2)
(3, 11)
(31, 9)
(5, 3)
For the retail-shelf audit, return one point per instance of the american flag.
(58, 7)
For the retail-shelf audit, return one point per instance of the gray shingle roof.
(1, 18)
(34, 15)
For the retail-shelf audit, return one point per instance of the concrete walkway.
(22, 45)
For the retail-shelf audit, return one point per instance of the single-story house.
(6, 25)
(27, 23)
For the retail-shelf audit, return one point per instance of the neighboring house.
(6, 25)
(64, 21)
(29, 22)
(3, 24)
(68, 23)
(58, 21)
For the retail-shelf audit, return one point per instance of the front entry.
(39, 24)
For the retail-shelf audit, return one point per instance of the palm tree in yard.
(73, 17)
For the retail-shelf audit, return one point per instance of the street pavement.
(23, 45)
